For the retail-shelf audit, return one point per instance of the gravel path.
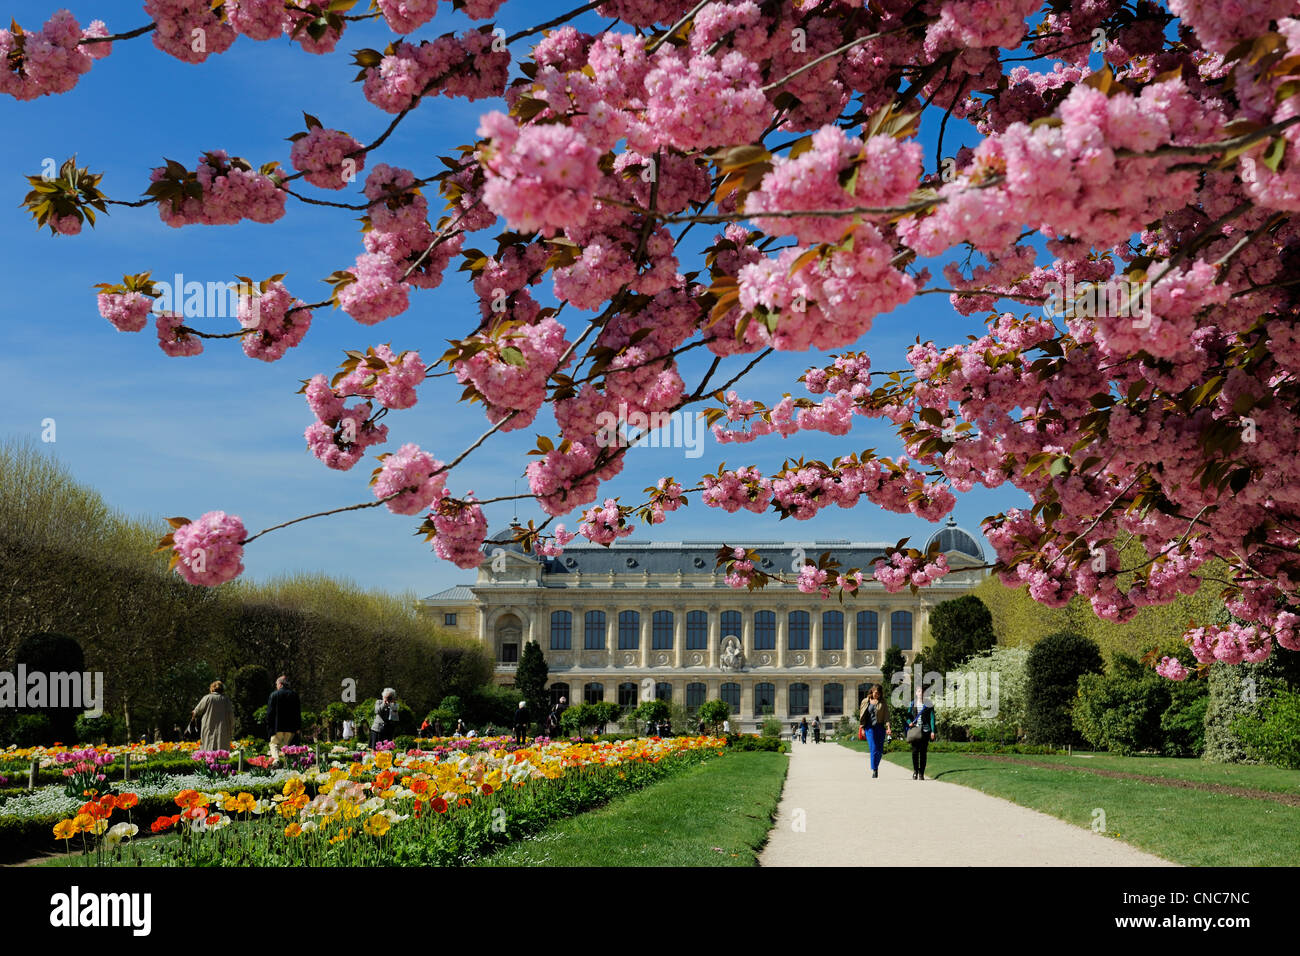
(833, 813)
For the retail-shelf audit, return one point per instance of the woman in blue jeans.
(874, 717)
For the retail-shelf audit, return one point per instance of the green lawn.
(716, 814)
(1192, 827)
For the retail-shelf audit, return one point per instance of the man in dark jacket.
(283, 716)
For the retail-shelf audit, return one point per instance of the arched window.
(561, 630)
(661, 631)
(593, 693)
(798, 631)
(731, 623)
(627, 694)
(764, 699)
(798, 700)
(730, 692)
(900, 630)
(832, 630)
(832, 700)
(697, 630)
(765, 630)
(629, 630)
(558, 691)
(663, 691)
(694, 695)
(593, 628)
(868, 631)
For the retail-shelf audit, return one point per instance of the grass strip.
(715, 814)
(1189, 826)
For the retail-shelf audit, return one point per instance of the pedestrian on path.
(217, 714)
(873, 714)
(920, 731)
(817, 730)
(283, 716)
(521, 724)
(803, 730)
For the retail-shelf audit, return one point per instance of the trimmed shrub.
(1052, 672)
(1273, 736)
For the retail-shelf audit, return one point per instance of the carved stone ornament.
(733, 656)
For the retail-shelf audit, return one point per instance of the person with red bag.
(873, 716)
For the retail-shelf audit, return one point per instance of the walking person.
(920, 731)
(873, 714)
(803, 730)
(521, 723)
(283, 716)
(218, 716)
(384, 726)
(817, 729)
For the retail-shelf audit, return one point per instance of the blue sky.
(162, 436)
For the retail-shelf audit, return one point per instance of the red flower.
(439, 805)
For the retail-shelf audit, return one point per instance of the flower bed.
(415, 808)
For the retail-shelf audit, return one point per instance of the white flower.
(120, 832)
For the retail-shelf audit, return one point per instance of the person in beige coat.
(218, 715)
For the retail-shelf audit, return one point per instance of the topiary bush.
(1052, 672)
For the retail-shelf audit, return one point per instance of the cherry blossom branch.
(563, 18)
(845, 48)
(322, 514)
(658, 41)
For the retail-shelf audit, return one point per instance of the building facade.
(647, 619)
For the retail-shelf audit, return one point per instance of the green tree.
(713, 713)
(656, 710)
(1273, 736)
(893, 663)
(51, 654)
(530, 680)
(250, 688)
(1052, 670)
(1000, 673)
(962, 627)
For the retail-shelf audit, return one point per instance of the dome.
(503, 537)
(952, 538)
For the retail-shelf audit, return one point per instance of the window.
(863, 691)
(798, 631)
(593, 693)
(694, 696)
(868, 631)
(730, 693)
(900, 630)
(697, 630)
(593, 630)
(561, 630)
(627, 694)
(832, 630)
(629, 630)
(558, 691)
(449, 620)
(663, 691)
(764, 699)
(731, 623)
(509, 653)
(798, 700)
(833, 700)
(661, 631)
(765, 631)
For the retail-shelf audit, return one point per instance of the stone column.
(647, 617)
(815, 637)
(679, 636)
(782, 634)
(746, 703)
(746, 634)
(782, 705)
(611, 635)
(715, 635)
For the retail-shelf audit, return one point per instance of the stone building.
(645, 619)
